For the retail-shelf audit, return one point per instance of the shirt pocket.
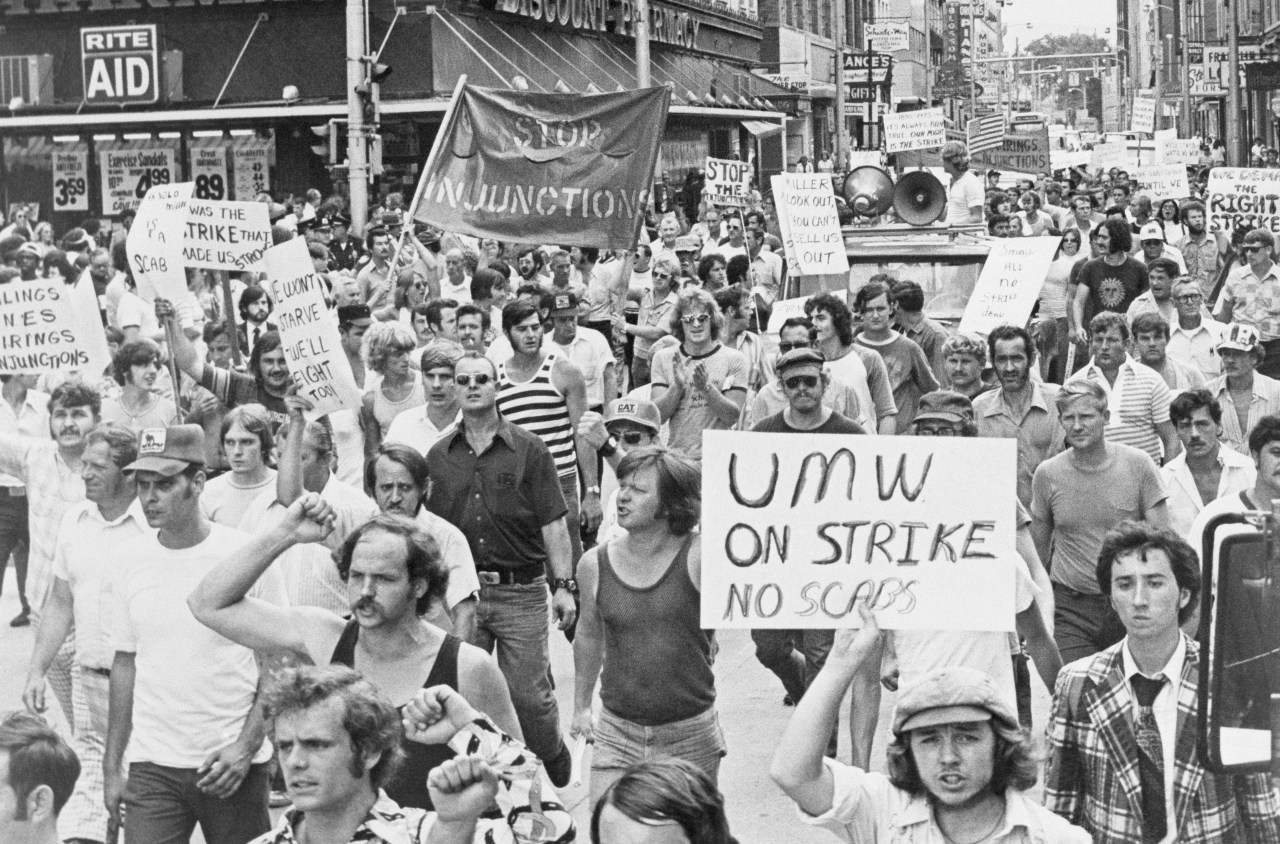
(1124, 496)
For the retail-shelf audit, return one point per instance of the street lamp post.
(1234, 108)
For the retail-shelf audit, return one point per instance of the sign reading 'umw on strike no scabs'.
(797, 531)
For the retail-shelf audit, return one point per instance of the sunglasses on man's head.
(479, 379)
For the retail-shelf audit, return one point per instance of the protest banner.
(226, 235)
(728, 182)
(154, 245)
(923, 129)
(1106, 156)
(812, 230)
(70, 179)
(1163, 181)
(783, 310)
(544, 168)
(1009, 283)
(1025, 152)
(309, 331)
(1182, 151)
(1143, 118)
(51, 326)
(1061, 159)
(209, 172)
(127, 175)
(1243, 196)
(797, 531)
(250, 172)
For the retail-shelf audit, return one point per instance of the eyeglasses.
(695, 319)
(632, 437)
(1253, 247)
(929, 431)
(795, 382)
(783, 348)
(479, 379)
(663, 276)
(1188, 298)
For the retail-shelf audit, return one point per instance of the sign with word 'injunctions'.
(798, 531)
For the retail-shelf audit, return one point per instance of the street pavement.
(749, 699)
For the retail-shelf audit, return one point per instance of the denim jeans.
(14, 540)
(1083, 624)
(163, 806)
(515, 619)
(621, 743)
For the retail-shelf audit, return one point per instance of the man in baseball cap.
(1151, 236)
(1241, 353)
(957, 764)
(804, 385)
(944, 413)
(628, 423)
(192, 691)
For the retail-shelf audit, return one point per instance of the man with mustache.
(1204, 471)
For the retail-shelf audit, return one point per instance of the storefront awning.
(761, 129)
(215, 118)
(550, 60)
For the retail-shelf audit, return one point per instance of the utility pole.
(840, 98)
(1161, 71)
(357, 141)
(1186, 69)
(1235, 110)
(928, 54)
(640, 28)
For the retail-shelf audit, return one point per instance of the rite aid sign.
(120, 65)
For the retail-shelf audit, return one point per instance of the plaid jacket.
(1092, 777)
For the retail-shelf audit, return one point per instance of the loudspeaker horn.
(868, 190)
(919, 198)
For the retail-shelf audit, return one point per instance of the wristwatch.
(565, 583)
(592, 489)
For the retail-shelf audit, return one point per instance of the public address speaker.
(868, 190)
(919, 198)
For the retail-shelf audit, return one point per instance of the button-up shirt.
(1265, 401)
(1038, 431)
(1138, 402)
(1165, 710)
(501, 498)
(1197, 346)
(53, 488)
(29, 420)
(86, 557)
(1185, 503)
(1204, 261)
(386, 823)
(1254, 301)
(1179, 376)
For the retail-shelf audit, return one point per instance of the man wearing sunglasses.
(627, 424)
(772, 398)
(1251, 296)
(796, 656)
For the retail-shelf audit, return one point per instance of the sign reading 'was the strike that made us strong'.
(797, 531)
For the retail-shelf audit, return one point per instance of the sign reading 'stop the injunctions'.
(120, 64)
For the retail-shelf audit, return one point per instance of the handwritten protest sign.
(797, 531)
(1061, 159)
(1143, 115)
(923, 129)
(864, 158)
(51, 326)
(226, 235)
(1243, 196)
(728, 182)
(783, 310)
(812, 229)
(309, 331)
(1009, 283)
(1163, 181)
(1106, 156)
(1177, 151)
(154, 244)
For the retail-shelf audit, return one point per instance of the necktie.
(257, 332)
(1151, 760)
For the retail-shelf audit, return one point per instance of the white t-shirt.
(456, 553)
(415, 429)
(133, 311)
(224, 502)
(853, 372)
(348, 445)
(194, 688)
(962, 194)
(592, 354)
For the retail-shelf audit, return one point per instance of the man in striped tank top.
(544, 393)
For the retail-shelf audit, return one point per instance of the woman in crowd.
(386, 353)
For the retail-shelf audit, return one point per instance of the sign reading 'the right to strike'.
(1243, 196)
(798, 531)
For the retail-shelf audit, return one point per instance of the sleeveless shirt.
(538, 407)
(385, 410)
(657, 660)
(409, 786)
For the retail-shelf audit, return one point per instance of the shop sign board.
(70, 180)
(120, 64)
(887, 37)
(127, 175)
(209, 172)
